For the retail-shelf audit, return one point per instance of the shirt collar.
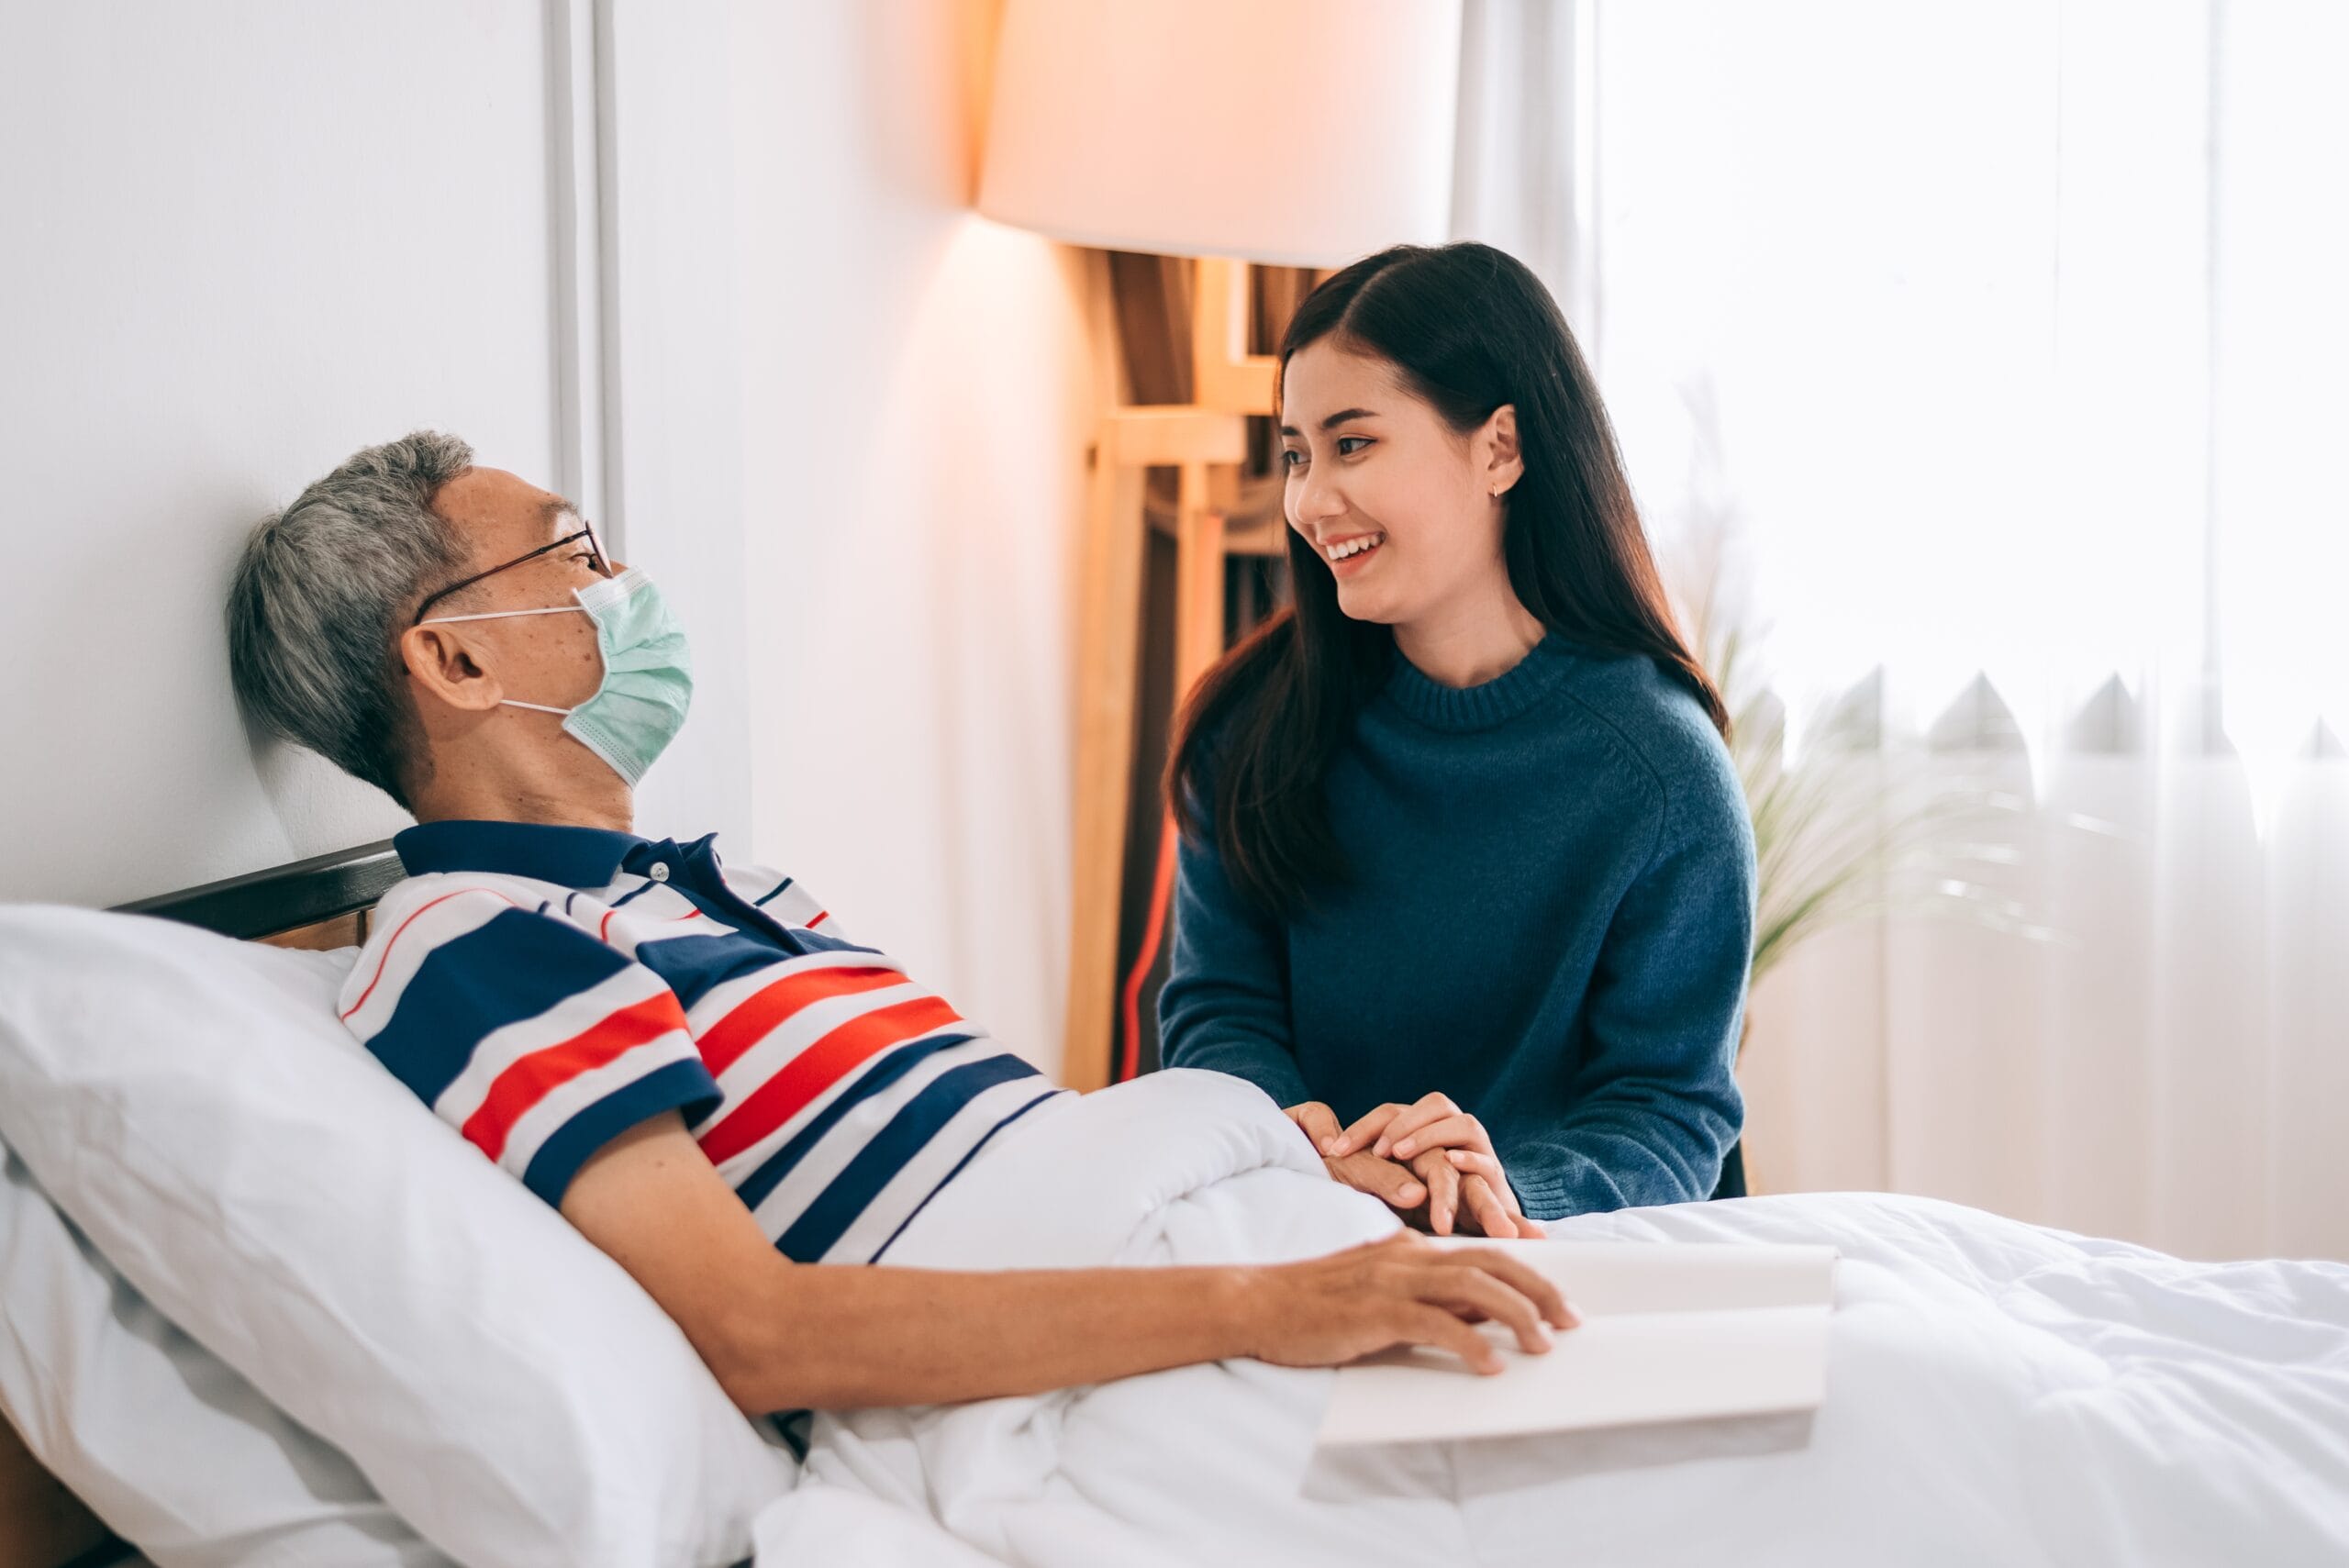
(574, 857)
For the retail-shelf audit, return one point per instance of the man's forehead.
(558, 517)
(498, 508)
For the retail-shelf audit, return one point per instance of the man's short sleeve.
(535, 1040)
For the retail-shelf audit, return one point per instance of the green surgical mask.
(648, 672)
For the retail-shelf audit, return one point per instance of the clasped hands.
(1430, 1161)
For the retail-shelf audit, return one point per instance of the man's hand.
(1400, 1291)
(783, 1336)
(1388, 1180)
(1317, 1121)
(1462, 1200)
(1453, 1153)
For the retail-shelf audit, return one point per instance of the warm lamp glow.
(1295, 132)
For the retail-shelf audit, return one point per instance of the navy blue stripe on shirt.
(820, 942)
(966, 1159)
(693, 965)
(638, 892)
(514, 966)
(760, 900)
(887, 1070)
(680, 1086)
(823, 1222)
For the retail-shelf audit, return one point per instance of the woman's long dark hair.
(1470, 328)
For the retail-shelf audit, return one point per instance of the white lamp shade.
(1295, 132)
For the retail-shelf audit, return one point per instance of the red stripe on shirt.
(383, 958)
(535, 1077)
(758, 1015)
(807, 1076)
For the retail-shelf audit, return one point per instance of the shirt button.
(660, 871)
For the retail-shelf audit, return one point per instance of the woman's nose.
(1317, 500)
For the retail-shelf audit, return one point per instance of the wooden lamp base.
(1204, 441)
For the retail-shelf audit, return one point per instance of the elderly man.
(686, 1057)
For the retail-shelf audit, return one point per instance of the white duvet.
(1997, 1393)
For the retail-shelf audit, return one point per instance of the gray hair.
(315, 606)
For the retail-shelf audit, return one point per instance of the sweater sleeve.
(1654, 1104)
(1225, 1003)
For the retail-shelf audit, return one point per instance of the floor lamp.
(1295, 132)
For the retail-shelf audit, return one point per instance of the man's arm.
(783, 1336)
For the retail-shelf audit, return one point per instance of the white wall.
(707, 267)
(918, 397)
(233, 255)
(244, 241)
(672, 379)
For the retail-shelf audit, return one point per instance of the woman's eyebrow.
(1335, 420)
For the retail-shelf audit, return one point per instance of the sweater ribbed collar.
(1545, 667)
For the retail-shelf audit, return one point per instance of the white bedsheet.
(1996, 1392)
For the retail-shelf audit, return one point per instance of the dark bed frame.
(282, 899)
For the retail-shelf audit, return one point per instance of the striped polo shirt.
(546, 988)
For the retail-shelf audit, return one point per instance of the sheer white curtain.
(2008, 345)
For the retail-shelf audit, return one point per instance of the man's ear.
(1504, 464)
(443, 667)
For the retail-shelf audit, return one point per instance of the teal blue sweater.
(1549, 919)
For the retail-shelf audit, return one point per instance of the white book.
(1670, 1331)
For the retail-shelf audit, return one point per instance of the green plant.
(1853, 829)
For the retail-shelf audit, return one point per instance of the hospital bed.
(1996, 1391)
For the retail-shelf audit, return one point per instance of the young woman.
(1467, 879)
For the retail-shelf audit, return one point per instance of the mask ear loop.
(502, 615)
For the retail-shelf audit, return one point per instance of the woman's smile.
(1350, 556)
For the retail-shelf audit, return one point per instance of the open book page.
(1670, 1331)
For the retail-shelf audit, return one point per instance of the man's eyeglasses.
(594, 552)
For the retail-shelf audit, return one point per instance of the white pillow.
(169, 1446)
(194, 1106)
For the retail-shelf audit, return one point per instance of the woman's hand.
(1400, 1291)
(1438, 1190)
(1451, 1151)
